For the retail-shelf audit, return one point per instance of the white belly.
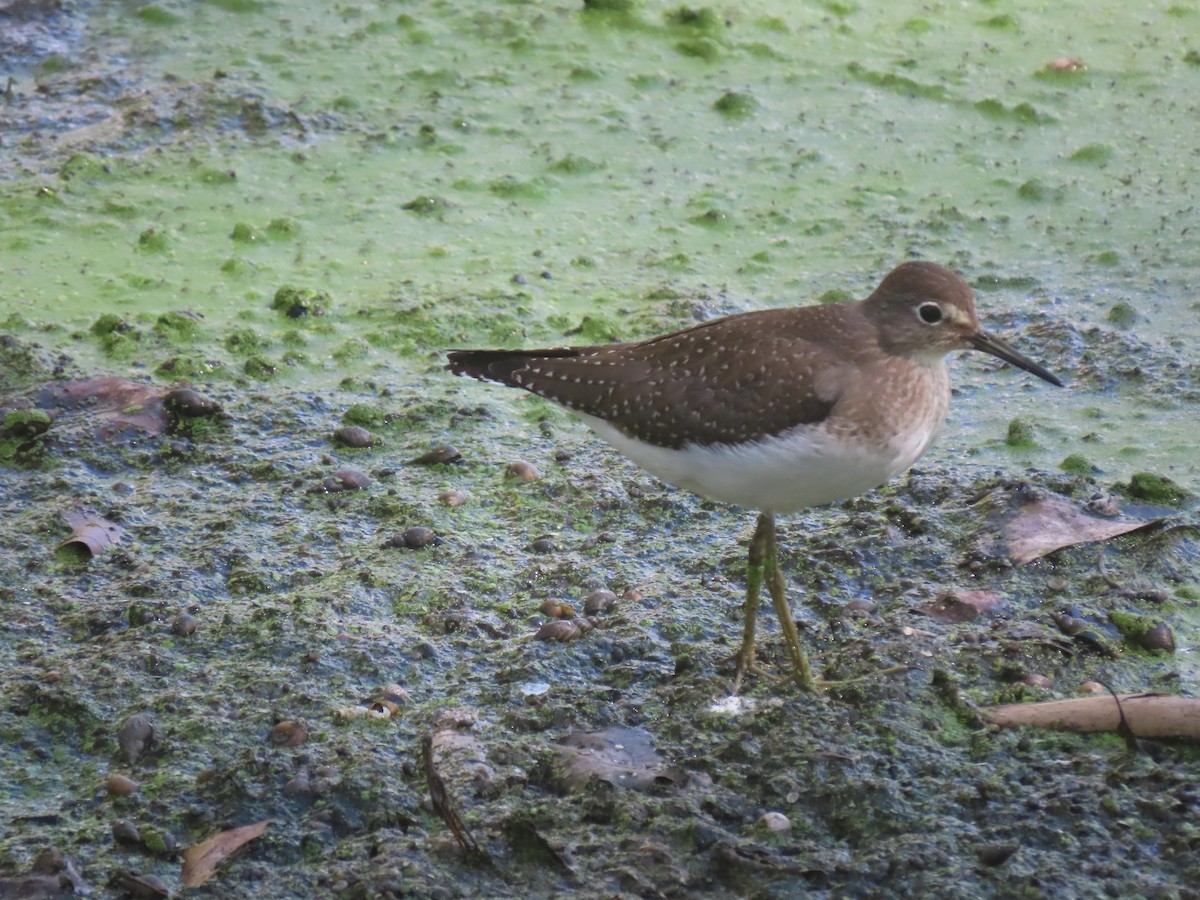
(794, 470)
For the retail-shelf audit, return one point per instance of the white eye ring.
(930, 313)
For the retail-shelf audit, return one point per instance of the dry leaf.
(116, 403)
(90, 532)
(1034, 525)
(122, 408)
(1049, 524)
(624, 757)
(201, 861)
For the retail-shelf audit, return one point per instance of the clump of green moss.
(179, 325)
(258, 368)
(24, 424)
(704, 48)
(1092, 153)
(107, 324)
(736, 105)
(295, 302)
(283, 228)
(711, 218)
(1121, 314)
(426, 205)
(153, 241)
(1077, 464)
(1020, 434)
(702, 19)
(1156, 489)
(243, 234)
(571, 164)
(365, 415)
(243, 340)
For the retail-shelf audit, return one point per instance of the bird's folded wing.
(704, 385)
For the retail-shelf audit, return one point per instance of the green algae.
(300, 615)
(1157, 489)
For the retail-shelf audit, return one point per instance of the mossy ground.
(573, 176)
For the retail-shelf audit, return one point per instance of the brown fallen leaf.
(1034, 525)
(117, 404)
(624, 757)
(90, 532)
(200, 861)
(1147, 715)
(119, 408)
(955, 606)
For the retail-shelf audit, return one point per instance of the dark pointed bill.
(1001, 349)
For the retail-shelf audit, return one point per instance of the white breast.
(794, 470)
(809, 465)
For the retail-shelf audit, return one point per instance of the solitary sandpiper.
(776, 410)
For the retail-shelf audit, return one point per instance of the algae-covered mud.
(433, 632)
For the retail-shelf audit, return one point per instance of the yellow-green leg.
(754, 579)
(778, 591)
(762, 564)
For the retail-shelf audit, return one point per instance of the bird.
(773, 410)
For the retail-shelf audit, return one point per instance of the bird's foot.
(803, 676)
(822, 683)
(745, 664)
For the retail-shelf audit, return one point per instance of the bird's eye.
(929, 313)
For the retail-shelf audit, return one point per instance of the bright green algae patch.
(399, 157)
(309, 203)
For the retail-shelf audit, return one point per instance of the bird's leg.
(769, 570)
(754, 579)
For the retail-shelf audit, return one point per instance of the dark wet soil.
(273, 638)
(245, 594)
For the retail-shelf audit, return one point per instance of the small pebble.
(1091, 687)
(860, 606)
(1034, 679)
(354, 436)
(343, 480)
(416, 538)
(140, 887)
(543, 545)
(452, 498)
(522, 471)
(189, 404)
(556, 609)
(120, 786)
(563, 630)
(599, 601)
(125, 832)
(445, 453)
(134, 736)
(299, 786)
(996, 854)
(185, 623)
(1157, 637)
(775, 822)
(288, 733)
